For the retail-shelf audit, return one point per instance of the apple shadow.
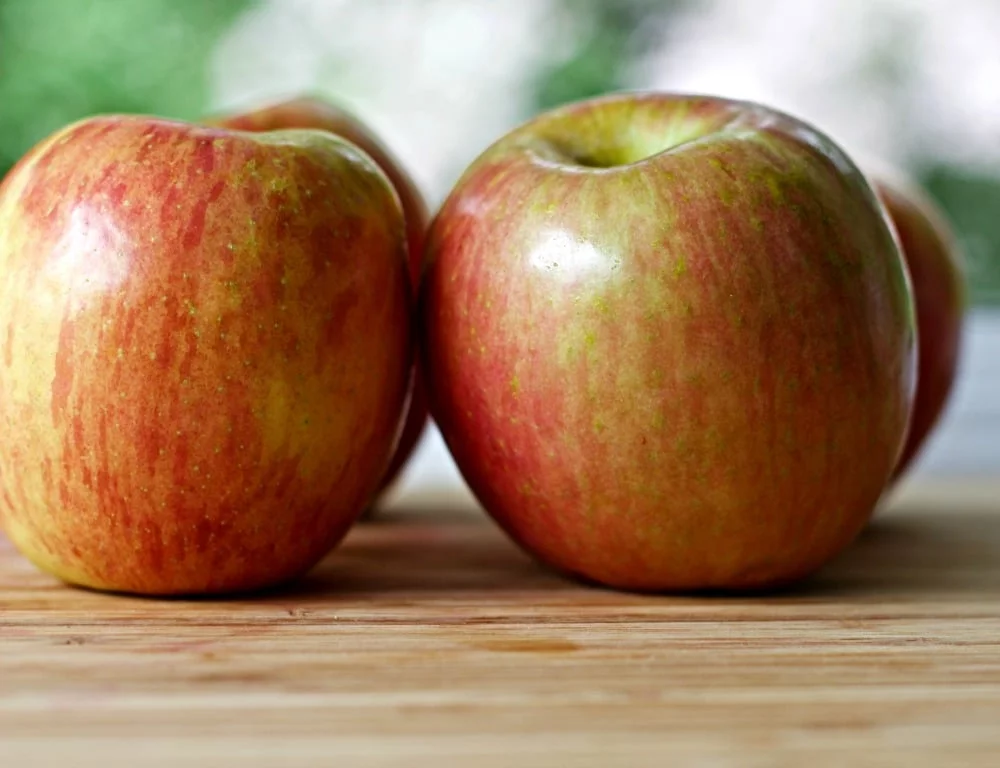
(916, 550)
(423, 552)
(908, 550)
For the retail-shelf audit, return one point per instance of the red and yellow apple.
(205, 343)
(316, 113)
(670, 341)
(931, 253)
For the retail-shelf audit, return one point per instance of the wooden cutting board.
(429, 640)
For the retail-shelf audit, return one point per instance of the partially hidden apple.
(932, 255)
(670, 341)
(318, 113)
(205, 343)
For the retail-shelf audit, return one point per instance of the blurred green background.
(64, 59)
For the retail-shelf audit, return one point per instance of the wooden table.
(428, 640)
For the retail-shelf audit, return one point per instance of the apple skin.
(936, 270)
(205, 345)
(313, 112)
(670, 370)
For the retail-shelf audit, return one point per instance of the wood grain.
(429, 640)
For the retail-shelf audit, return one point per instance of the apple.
(205, 350)
(670, 341)
(313, 112)
(931, 252)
